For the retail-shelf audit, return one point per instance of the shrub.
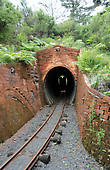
(7, 55)
(91, 60)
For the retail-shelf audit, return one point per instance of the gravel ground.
(11, 145)
(69, 155)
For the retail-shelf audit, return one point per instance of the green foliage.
(100, 134)
(92, 116)
(95, 81)
(79, 44)
(97, 31)
(78, 12)
(28, 16)
(90, 60)
(97, 66)
(101, 2)
(8, 55)
(25, 56)
(43, 24)
(9, 17)
(96, 141)
(50, 41)
(21, 38)
(66, 28)
(107, 93)
(67, 41)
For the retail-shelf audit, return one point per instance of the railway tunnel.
(59, 83)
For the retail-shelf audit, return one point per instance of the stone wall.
(88, 99)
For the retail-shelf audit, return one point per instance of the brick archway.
(54, 57)
(59, 83)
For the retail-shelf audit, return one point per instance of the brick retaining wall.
(19, 96)
(88, 98)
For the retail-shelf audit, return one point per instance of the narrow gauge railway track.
(26, 157)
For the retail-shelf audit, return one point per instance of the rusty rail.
(36, 157)
(41, 150)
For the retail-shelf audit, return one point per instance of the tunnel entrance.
(59, 83)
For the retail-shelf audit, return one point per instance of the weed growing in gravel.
(100, 134)
(96, 138)
(92, 116)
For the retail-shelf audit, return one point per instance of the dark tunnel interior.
(59, 83)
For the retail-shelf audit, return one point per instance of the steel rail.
(43, 147)
(26, 143)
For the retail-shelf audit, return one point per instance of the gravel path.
(10, 146)
(23, 159)
(69, 155)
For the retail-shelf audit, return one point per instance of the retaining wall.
(19, 96)
(88, 99)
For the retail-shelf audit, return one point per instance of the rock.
(47, 115)
(56, 139)
(40, 124)
(10, 154)
(63, 123)
(65, 115)
(39, 164)
(59, 132)
(26, 139)
(45, 158)
(64, 119)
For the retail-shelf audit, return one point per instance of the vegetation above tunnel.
(24, 31)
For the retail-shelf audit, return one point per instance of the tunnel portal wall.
(57, 57)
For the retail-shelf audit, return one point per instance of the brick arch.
(57, 56)
(50, 67)
(55, 90)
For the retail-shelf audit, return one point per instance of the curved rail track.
(26, 157)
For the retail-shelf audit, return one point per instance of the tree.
(9, 18)
(27, 13)
(101, 34)
(77, 9)
(98, 30)
(54, 9)
(43, 24)
(27, 23)
(101, 2)
(66, 28)
(81, 9)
